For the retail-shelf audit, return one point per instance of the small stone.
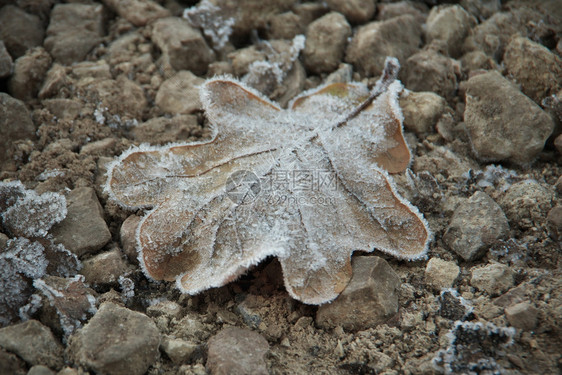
(554, 222)
(386, 11)
(84, 229)
(370, 298)
(19, 30)
(180, 93)
(503, 124)
(399, 37)
(477, 60)
(179, 351)
(6, 62)
(138, 12)
(183, 46)
(105, 268)
(494, 278)
(29, 71)
(476, 224)
(481, 9)
(344, 74)
(527, 203)
(429, 70)
(285, 26)
(422, 110)
(534, 67)
(74, 30)
(441, 274)
(326, 39)
(16, 124)
(522, 315)
(237, 351)
(170, 309)
(33, 342)
(450, 24)
(512, 296)
(55, 81)
(69, 371)
(11, 364)
(87, 70)
(40, 370)
(356, 11)
(452, 307)
(116, 341)
(122, 97)
(98, 148)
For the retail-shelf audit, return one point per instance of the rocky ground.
(82, 81)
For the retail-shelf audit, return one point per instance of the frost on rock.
(308, 185)
(212, 20)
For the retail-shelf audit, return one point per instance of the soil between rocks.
(92, 92)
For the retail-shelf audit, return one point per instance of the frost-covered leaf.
(308, 185)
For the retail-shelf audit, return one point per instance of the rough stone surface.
(84, 229)
(19, 30)
(494, 278)
(180, 93)
(399, 37)
(11, 364)
(452, 306)
(422, 110)
(116, 341)
(183, 47)
(522, 315)
(356, 11)
(326, 39)
(476, 224)
(105, 268)
(554, 222)
(33, 342)
(29, 71)
(178, 350)
(74, 29)
(6, 61)
(237, 351)
(121, 96)
(476, 61)
(534, 67)
(138, 12)
(285, 26)
(370, 298)
(450, 24)
(429, 70)
(40, 370)
(527, 203)
(441, 274)
(15, 122)
(503, 124)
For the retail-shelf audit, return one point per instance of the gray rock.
(33, 342)
(429, 70)
(476, 224)
(237, 351)
(180, 93)
(122, 97)
(182, 46)
(116, 341)
(450, 24)
(522, 315)
(326, 39)
(554, 222)
(105, 268)
(503, 124)
(69, 371)
(356, 11)
(285, 26)
(6, 62)
(55, 81)
(441, 274)
(477, 60)
(138, 12)
(422, 110)
(399, 37)
(29, 71)
(534, 67)
(481, 9)
(40, 370)
(527, 203)
(74, 30)
(370, 298)
(19, 30)
(180, 351)
(84, 229)
(15, 122)
(386, 11)
(11, 364)
(66, 109)
(99, 148)
(494, 278)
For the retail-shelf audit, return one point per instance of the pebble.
(527, 203)
(534, 67)
(326, 39)
(477, 61)
(503, 124)
(179, 351)
(116, 341)
(11, 364)
(494, 278)
(429, 70)
(121, 97)
(83, 230)
(450, 24)
(40, 370)
(28, 74)
(6, 62)
(285, 26)
(522, 315)
(180, 93)
(356, 11)
(237, 350)
(74, 30)
(554, 222)
(441, 274)
(170, 309)
(183, 47)
(138, 12)
(386, 11)
(15, 123)
(55, 80)
(105, 268)
(398, 37)
(422, 110)
(476, 224)
(32, 342)
(19, 30)
(370, 298)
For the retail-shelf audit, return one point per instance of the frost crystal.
(308, 185)
(212, 21)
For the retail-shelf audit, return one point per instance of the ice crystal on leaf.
(308, 185)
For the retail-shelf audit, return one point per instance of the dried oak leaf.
(308, 185)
